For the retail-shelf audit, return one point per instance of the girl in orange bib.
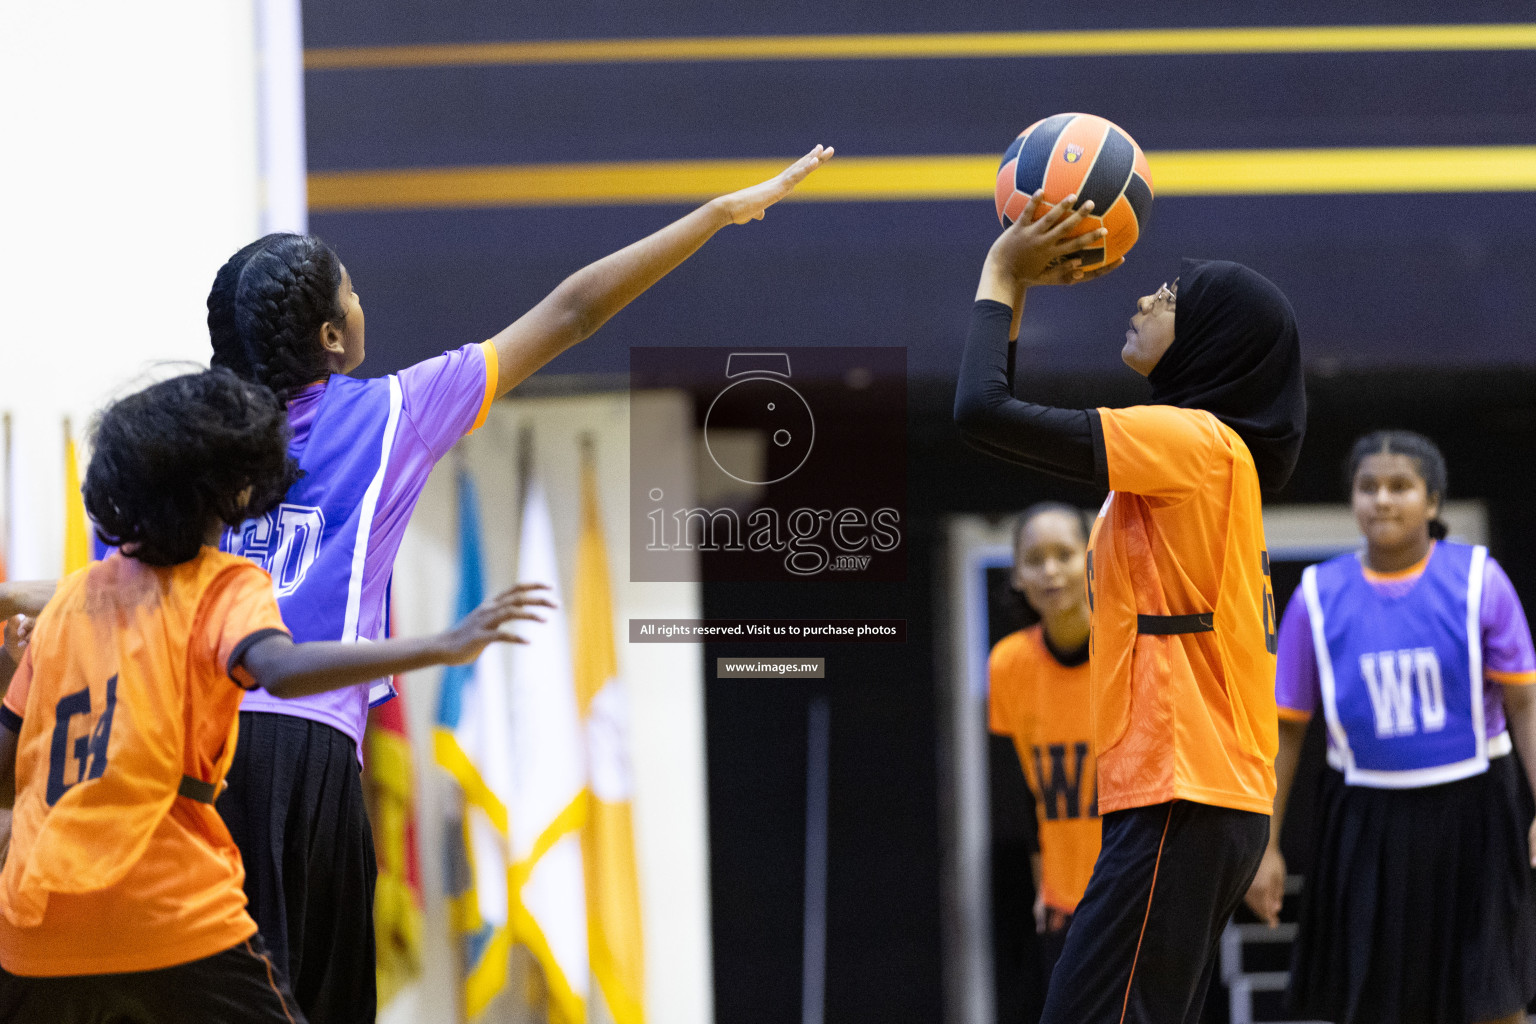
(121, 897)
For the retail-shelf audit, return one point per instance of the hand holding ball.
(1084, 155)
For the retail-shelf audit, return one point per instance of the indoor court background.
(1384, 179)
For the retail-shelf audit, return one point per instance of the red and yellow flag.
(397, 900)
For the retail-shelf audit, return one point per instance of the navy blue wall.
(1415, 280)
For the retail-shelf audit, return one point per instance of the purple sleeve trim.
(1296, 682)
(1507, 643)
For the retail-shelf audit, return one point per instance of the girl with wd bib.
(1419, 908)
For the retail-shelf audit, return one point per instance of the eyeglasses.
(1168, 293)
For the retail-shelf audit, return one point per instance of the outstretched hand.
(1033, 252)
(480, 628)
(750, 203)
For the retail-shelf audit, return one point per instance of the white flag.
(548, 802)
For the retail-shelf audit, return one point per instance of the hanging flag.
(608, 839)
(473, 743)
(397, 900)
(548, 806)
(77, 535)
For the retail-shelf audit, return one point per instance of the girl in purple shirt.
(283, 312)
(1419, 908)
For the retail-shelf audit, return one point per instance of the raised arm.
(1027, 254)
(584, 301)
(286, 669)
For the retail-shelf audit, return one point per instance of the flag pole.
(813, 990)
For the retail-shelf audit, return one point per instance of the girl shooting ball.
(1181, 657)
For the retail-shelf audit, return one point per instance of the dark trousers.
(238, 986)
(1142, 946)
(295, 808)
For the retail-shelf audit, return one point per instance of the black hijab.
(1236, 355)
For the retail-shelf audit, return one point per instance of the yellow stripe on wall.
(1102, 43)
(1174, 173)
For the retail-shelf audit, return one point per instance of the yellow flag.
(608, 838)
(77, 537)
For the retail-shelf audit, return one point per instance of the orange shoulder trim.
(492, 377)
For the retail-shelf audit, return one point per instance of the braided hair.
(168, 460)
(1427, 460)
(266, 308)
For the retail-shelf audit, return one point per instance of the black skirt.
(1420, 908)
(295, 808)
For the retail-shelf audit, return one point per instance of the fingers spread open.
(1031, 208)
(1059, 213)
(522, 588)
(1088, 239)
(496, 616)
(1066, 224)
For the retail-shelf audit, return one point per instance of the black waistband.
(197, 789)
(1168, 625)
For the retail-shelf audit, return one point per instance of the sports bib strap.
(197, 789)
(1172, 625)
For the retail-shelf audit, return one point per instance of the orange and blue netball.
(1087, 155)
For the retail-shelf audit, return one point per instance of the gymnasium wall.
(1426, 275)
(129, 173)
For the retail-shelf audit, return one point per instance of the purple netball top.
(1508, 657)
(366, 448)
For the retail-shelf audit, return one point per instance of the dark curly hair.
(168, 460)
(266, 308)
(1426, 456)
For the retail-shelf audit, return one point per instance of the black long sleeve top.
(1067, 443)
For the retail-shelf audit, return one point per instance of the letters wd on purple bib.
(1406, 670)
(366, 448)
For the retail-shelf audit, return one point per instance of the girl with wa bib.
(1420, 906)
